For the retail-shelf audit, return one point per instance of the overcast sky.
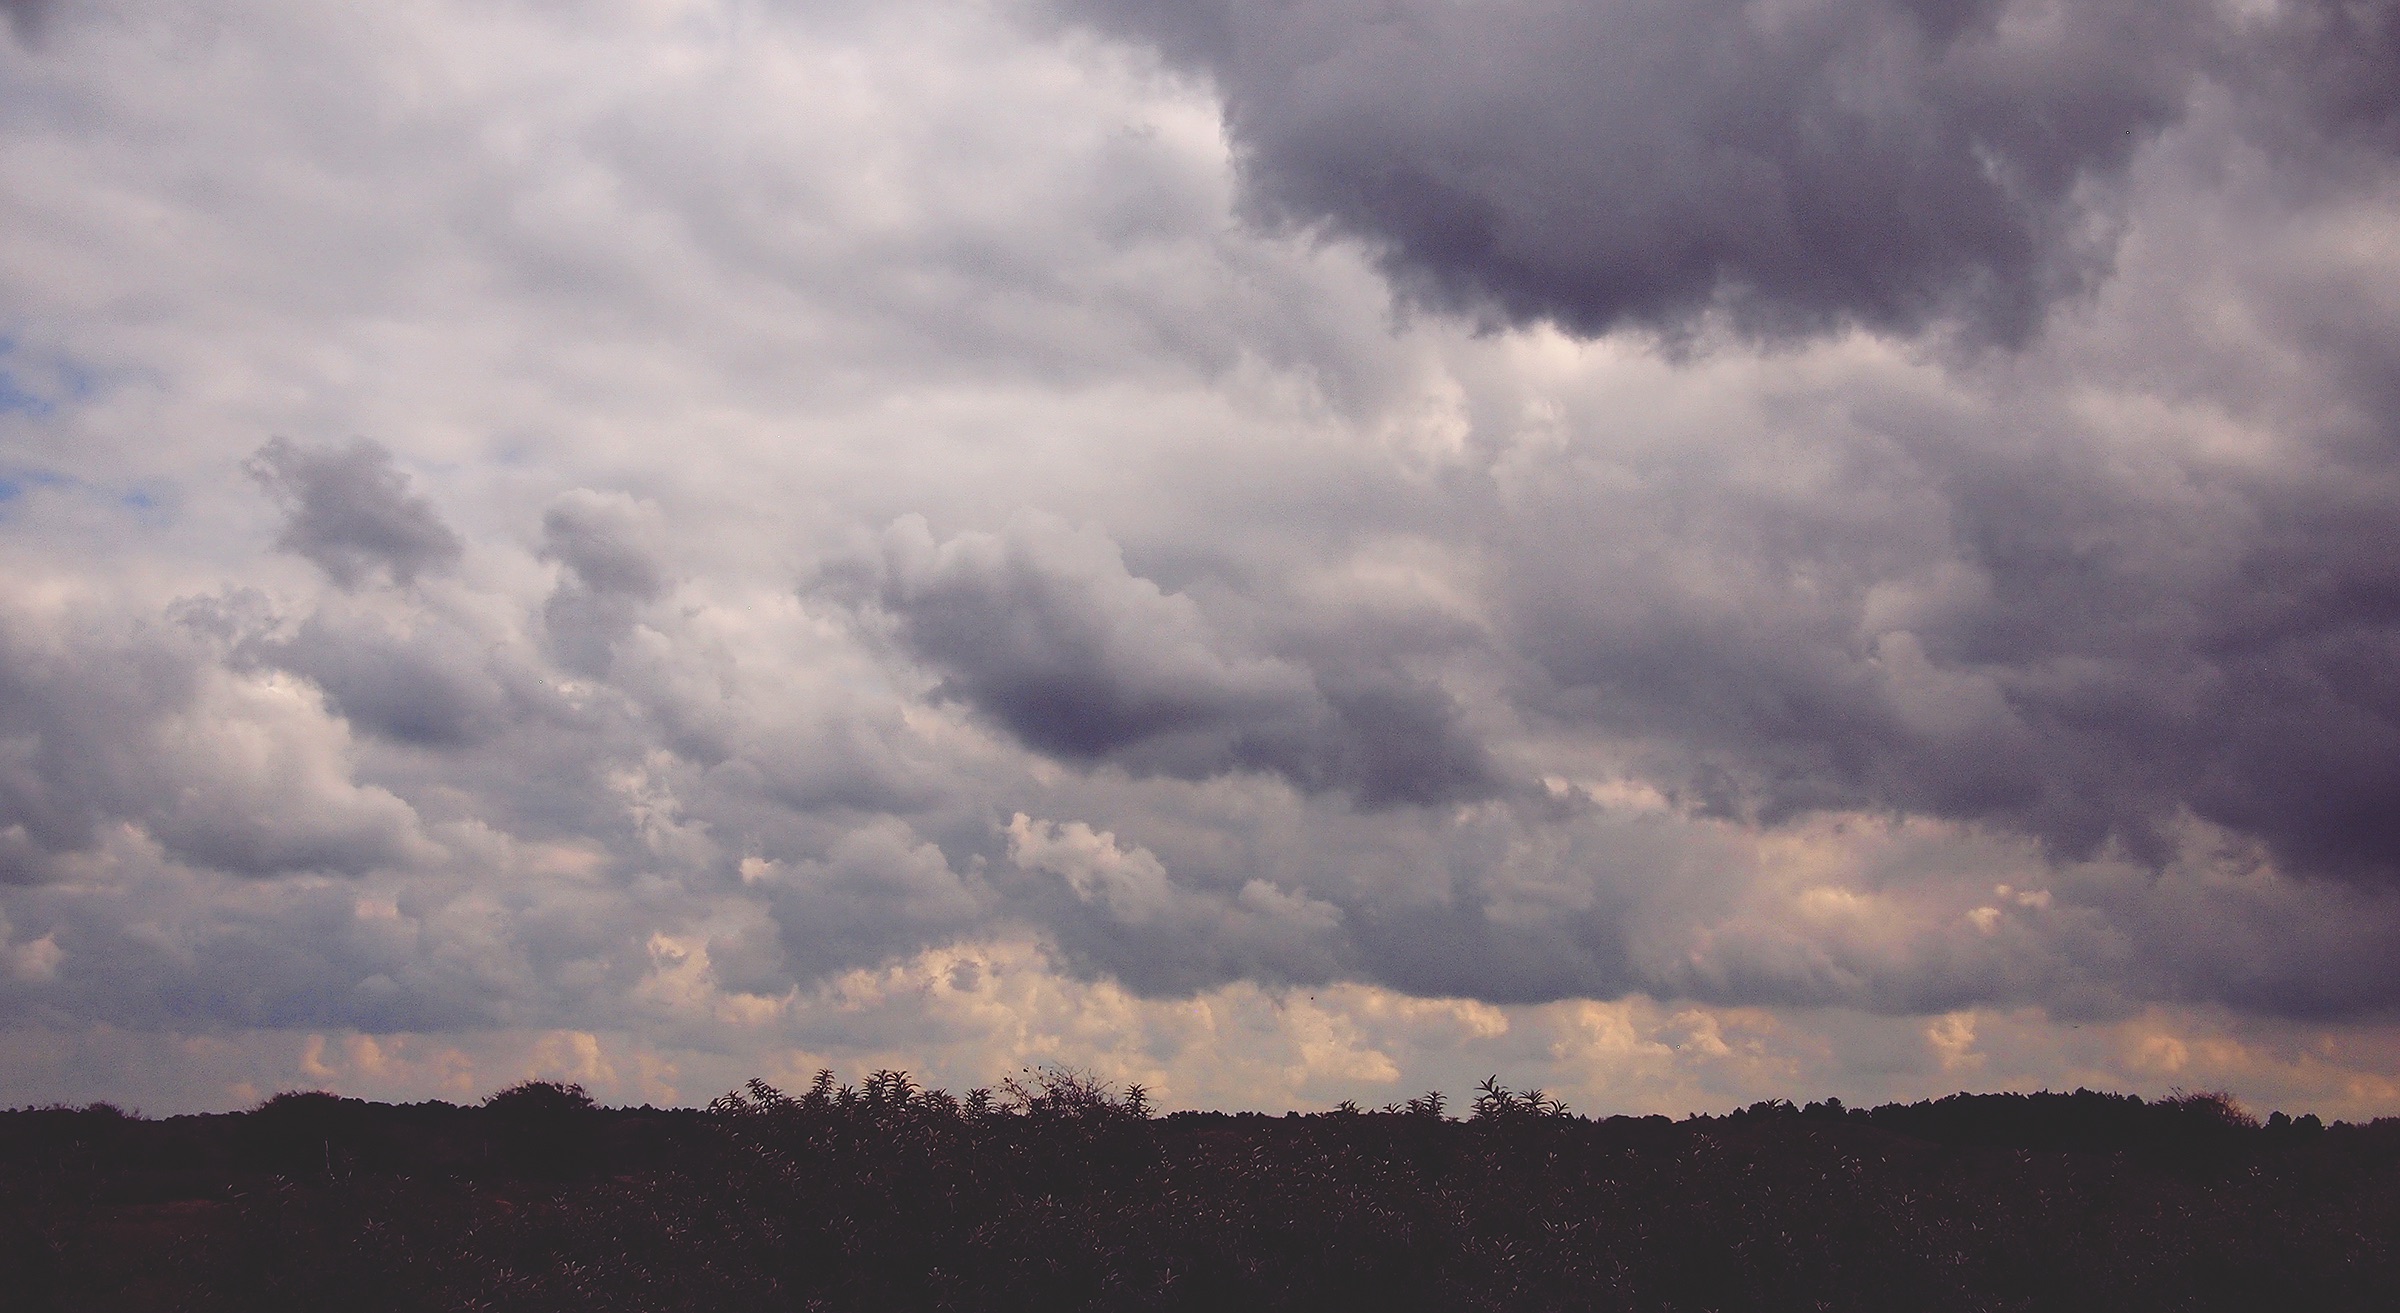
(1675, 551)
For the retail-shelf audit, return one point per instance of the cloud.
(425, 684)
(945, 556)
(881, 893)
(349, 510)
(1639, 163)
(243, 774)
(1044, 629)
(2329, 66)
(1126, 918)
(608, 573)
(1923, 596)
(26, 18)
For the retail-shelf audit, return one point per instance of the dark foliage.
(544, 1128)
(1055, 1192)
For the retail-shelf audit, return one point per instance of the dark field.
(1058, 1195)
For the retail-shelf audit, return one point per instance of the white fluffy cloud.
(695, 538)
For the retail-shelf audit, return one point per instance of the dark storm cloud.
(1637, 162)
(1045, 630)
(26, 18)
(609, 572)
(2001, 618)
(349, 510)
(2329, 66)
(1990, 620)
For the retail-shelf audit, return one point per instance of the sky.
(1678, 552)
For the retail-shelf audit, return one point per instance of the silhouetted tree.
(545, 1128)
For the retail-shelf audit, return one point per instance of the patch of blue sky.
(13, 397)
(150, 506)
(14, 484)
(147, 504)
(19, 398)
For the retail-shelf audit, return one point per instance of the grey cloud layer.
(803, 542)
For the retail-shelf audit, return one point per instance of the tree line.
(1054, 1190)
